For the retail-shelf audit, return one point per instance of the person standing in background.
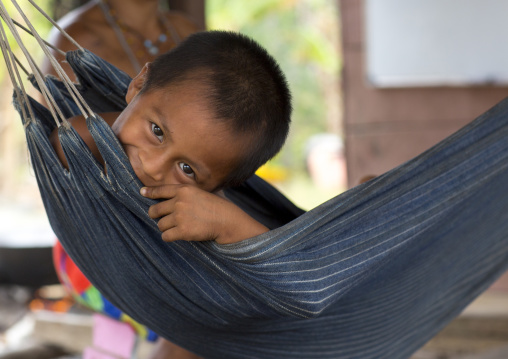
(126, 33)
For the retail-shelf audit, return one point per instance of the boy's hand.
(192, 214)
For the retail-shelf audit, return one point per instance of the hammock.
(372, 273)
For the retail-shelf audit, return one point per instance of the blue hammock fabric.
(372, 273)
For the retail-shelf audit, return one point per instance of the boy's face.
(171, 137)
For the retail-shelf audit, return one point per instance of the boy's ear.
(137, 83)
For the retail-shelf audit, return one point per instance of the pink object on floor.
(113, 337)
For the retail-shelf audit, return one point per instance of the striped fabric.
(87, 295)
(372, 273)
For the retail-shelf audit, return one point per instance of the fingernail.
(143, 191)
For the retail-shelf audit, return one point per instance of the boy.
(201, 117)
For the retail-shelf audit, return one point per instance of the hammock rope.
(13, 72)
(35, 69)
(373, 273)
(55, 24)
(56, 49)
(39, 77)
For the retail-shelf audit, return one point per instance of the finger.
(172, 234)
(161, 209)
(165, 191)
(166, 223)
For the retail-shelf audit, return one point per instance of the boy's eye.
(186, 169)
(157, 132)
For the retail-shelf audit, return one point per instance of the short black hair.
(245, 87)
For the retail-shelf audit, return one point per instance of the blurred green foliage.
(302, 36)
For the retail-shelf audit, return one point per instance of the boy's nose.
(153, 167)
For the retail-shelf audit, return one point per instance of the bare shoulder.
(84, 24)
(183, 25)
(87, 26)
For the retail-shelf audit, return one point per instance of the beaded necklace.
(149, 47)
